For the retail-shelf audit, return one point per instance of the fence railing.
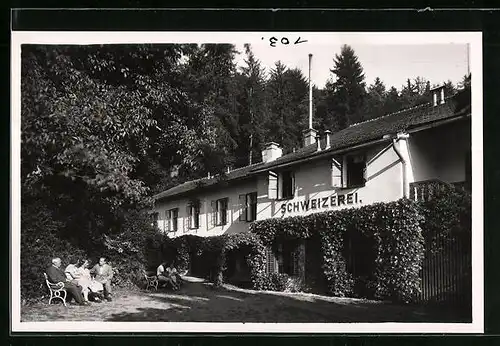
(424, 190)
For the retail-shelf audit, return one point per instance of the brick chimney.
(271, 152)
(309, 137)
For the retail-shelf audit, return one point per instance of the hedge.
(392, 228)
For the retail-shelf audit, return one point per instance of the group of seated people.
(168, 276)
(81, 283)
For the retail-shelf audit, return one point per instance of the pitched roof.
(364, 132)
(233, 175)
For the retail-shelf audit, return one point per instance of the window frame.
(247, 205)
(281, 181)
(172, 226)
(349, 161)
(221, 215)
(194, 215)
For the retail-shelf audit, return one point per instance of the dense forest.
(104, 127)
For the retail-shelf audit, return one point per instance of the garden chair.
(56, 290)
(151, 280)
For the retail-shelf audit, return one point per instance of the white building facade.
(379, 160)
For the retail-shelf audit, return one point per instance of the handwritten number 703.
(284, 41)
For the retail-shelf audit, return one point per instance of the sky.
(392, 63)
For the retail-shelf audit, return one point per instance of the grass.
(198, 301)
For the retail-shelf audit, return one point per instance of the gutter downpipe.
(403, 161)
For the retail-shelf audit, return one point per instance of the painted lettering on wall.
(320, 203)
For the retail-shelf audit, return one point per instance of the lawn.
(198, 301)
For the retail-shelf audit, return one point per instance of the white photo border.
(474, 39)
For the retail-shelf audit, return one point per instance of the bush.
(447, 217)
(392, 229)
(40, 242)
(282, 282)
(447, 230)
(129, 251)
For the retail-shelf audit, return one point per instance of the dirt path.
(200, 302)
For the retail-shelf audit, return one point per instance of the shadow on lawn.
(199, 302)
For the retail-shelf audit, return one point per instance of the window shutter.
(187, 219)
(229, 214)
(211, 219)
(272, 188)
(270, 260)
(167, 221)
(336, 171)
(243, 207)
(198, 215)
(293, 184)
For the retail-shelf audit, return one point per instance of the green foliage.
(447, 216)
(206, 256)
(281, 282)
(393, 229)
(40, 243)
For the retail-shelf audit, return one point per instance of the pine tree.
(348, 89)
(252, 110)
(287, 96)
(375, 100)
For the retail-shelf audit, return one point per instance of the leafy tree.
(210, 80)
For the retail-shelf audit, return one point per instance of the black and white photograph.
(247, 182)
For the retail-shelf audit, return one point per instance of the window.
(172, 220)
(289, 255)
(221, 212)
(154, 219)
(194, 215)
(248, 205)
(287, 185)
(356, 166)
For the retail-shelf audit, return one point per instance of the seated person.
(90, 287)
(55, 275)
(103, 274)
(72, 269)
(164, 275)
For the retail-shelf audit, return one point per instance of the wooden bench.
(57, 291)
(151, 280)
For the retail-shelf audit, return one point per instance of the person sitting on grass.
(103, 274)
(164, 276)
(55, 275)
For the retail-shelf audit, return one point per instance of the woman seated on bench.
(168, 275)
(90, 287)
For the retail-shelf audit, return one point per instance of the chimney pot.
(318, 142)
(327, 139)
(437, 95)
